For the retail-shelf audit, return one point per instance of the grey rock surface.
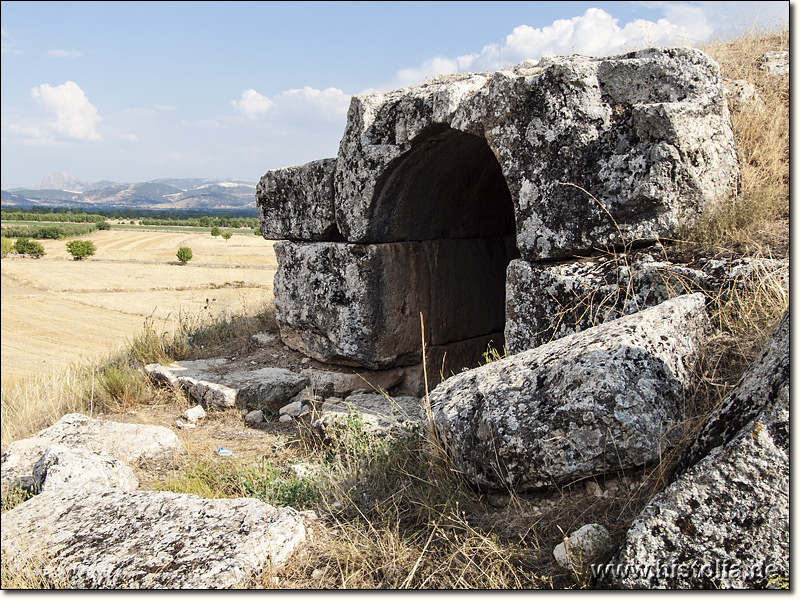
(764, 386)
(546, 301)
(213, 383)
(296, 203)
(149, 540)
(645, 133)
(122, 441)
(379, 414)
(360, 304)
(724, 520)
(597, 401)
(76, 469)
(583, 547)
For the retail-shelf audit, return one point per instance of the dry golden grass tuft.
(759, 216)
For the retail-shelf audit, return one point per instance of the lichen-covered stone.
(123, 441)
(642, 142)
(357, 304)
(601, 400)
(546, 301)
(377, 414)
(765, 384)
(149, 540)
(213, 383)
(296, 203)
(724, 520)
(76, 469)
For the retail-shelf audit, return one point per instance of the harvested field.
(57, 311)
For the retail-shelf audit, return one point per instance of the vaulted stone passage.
(448, 192)
(441, 237)
(436, 188)
(449, 185)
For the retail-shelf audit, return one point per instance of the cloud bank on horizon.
(302, 124)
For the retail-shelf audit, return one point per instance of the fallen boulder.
(724, 521)
(601, 400)
(149, 540)
(547, 301)
(212, 383)
(378, 414)
(122, 441)
(77, 469)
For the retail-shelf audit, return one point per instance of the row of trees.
(79, 249)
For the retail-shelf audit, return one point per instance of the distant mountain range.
(62, 189)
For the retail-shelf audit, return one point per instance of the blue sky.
(134, 91)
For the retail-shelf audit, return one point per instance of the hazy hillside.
(62, 189)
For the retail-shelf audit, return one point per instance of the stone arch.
(448, 185)
(448, 193)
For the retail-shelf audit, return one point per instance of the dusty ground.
(57, 311)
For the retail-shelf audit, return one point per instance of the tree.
(215, 231)
(81, 248)
(184, 254)
(103, 225)
(26, 246)
(7, 246)
(226, 235)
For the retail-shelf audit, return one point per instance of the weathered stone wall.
(567, 155)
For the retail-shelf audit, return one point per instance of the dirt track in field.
(57, 311)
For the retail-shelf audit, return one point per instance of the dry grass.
(758, 217)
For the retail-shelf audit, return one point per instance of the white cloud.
(129, 137)
(63, 53)
(595, 33)
(431, 68)
(252, 104)
(76, 117)
(330, 102)
(7, 43)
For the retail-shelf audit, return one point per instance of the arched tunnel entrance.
(449, 194)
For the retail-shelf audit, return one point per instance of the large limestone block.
(215, 384)
(360, 304)
(149, 540)
(601, 400)
(598, 152)
(593, 152)
(724, 521)
(75, 469)
(765, 384)
(546, 301)
(380, 128)
(296, 203)
(123, 441)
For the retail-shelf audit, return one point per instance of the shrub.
(80, 249)
(215, 231)
(6, 246)
(184, 254)
(226, 235)
(104, 226)
(26, 246)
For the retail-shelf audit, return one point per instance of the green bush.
(80, 249)
(26, 246)
(7, 246)
(103, 226)
(226, 235)
(215, 231)
(184, 254)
